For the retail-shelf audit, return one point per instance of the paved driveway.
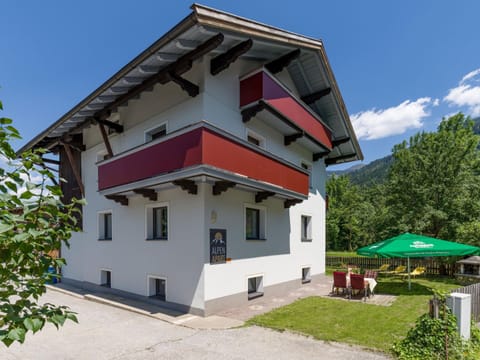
(106, 332)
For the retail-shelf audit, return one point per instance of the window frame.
(108, 278)
(102, 225)
(151, 287)
(306, 277)
(153, 130)
(150, 221)
(258, 282)
(261, 222)
(308, 166)
(306, 232)
(249, 133)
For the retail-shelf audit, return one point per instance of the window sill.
(158, 297)
(306, 240)
(254, 295)
(306, 281)
(254, 239)
(104, 239)
(157, 239)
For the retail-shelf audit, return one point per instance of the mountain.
(376, 171)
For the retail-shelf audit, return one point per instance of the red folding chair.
(358, 284)
(339, 282)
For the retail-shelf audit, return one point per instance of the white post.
(460, 304)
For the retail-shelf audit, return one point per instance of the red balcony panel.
(261, 86)
(226, 154)
(173, 154)
(202, 146)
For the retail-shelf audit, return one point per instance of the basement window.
(255, 287)
(106, 278)
(156, 132)
(157, 288)
(306, 278)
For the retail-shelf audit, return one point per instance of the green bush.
(438, 339)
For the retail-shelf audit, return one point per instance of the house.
(203, 163)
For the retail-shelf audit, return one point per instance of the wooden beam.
(288, 139)
(223, 61)
(279, 64)
(334, 160)
(147, 193)
(250, 112)
(106, 140)
(291, 202)
(187, 185)
(317, 95)
(187, 86)
(221, 186)
(114, 126)
(260, 196)
(121, 199)
(337, 142)
(318, 156)
(76, 171)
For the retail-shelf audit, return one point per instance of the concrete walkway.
(231, 318)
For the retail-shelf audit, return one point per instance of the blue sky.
(401, 66)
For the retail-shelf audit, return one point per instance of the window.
(255, 287)
(106, 278)
(308, 167)
(157, 288)
(156, 133)
(255, 139)
(255, 223)
(105, 226)
(306, 275)
(306, 228)
(157, 222)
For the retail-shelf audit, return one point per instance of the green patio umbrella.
(416, 246)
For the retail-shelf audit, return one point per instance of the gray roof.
(310, 72)
(474, 260)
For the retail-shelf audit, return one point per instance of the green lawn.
(342, 253)
(367, 325)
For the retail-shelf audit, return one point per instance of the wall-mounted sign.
(218, 246)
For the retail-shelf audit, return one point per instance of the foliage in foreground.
(33, 223)
(432, 338)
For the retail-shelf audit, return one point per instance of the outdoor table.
(371, 284)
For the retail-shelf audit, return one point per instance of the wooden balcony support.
(334, 160)
(291, 202)
(222, 186)
(320, 155)
(147, 193)
(187, 185)
(250, 112)
(121, 199)
(288, 139)
(106, 140)
(75, 169)
(223, 61)
(279, 64)
(260, 196)
(340, 141)
(114, 126)
(317, 95)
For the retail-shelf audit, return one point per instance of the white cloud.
(376, 124)
(467, 93)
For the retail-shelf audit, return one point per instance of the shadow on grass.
(398, 287)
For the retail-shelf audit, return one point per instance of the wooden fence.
(433, 267)
(474, 291)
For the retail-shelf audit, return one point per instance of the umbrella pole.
(408, 270)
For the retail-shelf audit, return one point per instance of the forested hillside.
(432, 188)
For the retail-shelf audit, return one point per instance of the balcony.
(265, 98)
(201, 151)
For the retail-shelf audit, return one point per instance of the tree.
(33, 223)
(433, 184)
(348, 215)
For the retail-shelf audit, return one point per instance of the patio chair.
(419, 270)
(398, 270)
(358, 284)
(372, 274)
(339, 282)
(383, 268)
